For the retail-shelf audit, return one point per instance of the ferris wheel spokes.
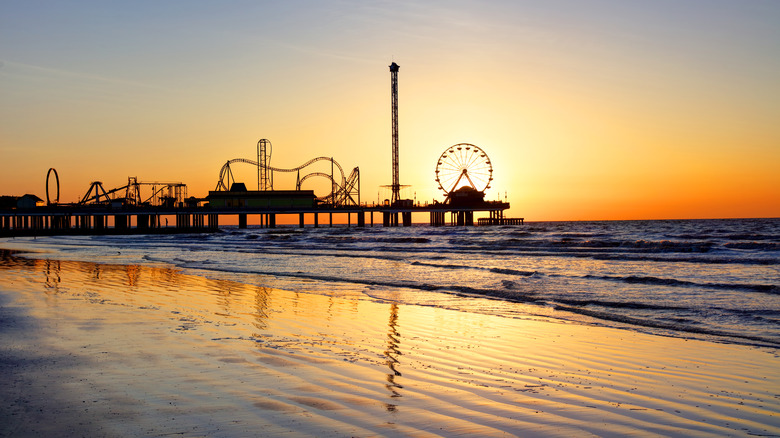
(462, 165)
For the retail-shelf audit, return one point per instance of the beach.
(128, 350)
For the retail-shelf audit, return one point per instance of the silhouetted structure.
(396, 185)
(463, 172)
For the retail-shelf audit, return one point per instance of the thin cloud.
(21, 69)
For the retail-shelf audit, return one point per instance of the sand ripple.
(154, 352)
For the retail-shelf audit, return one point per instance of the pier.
(90, 219)
(463, 172)
(500, 221)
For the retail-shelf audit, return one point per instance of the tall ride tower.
(264, 178)
(396, 186)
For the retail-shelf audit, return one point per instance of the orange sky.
(617, 110)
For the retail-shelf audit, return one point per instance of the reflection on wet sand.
(392, 352)
(261, 308)
(52, 272)
(133, 272)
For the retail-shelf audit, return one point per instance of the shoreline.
(111, 350)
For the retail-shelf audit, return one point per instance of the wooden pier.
(500, 221)
(74, 219)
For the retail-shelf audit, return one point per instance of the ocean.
(716, 280)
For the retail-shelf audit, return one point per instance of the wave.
(514, 272)
(662, 246)
(618, 304)
(656, 281)
(764, 246)
(625, 245)
(712, 234)
(401, 240)
(493, 270)
(680, 326)
(752, 236)
(716, 260)
(705, 247)
(598, 254)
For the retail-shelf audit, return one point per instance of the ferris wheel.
(464, 165)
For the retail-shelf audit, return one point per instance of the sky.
(588, 110)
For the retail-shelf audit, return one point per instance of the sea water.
(708, 279)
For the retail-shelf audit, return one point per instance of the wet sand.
(107, 350)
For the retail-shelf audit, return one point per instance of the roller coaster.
(164, 194)
(345, 190)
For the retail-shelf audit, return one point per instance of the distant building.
(466, 197)
(20, 202)
(239, 197)
(30, 201)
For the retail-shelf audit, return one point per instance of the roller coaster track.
(96, 194)
(341, 193)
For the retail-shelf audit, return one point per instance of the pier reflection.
(391, 353)
(261, 308)
(51, 270)
(133, 273)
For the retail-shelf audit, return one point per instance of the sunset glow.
(614, 110)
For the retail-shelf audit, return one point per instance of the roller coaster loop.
(56, 177)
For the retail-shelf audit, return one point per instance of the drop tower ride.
(395, 186)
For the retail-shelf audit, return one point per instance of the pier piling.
(77, 219)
